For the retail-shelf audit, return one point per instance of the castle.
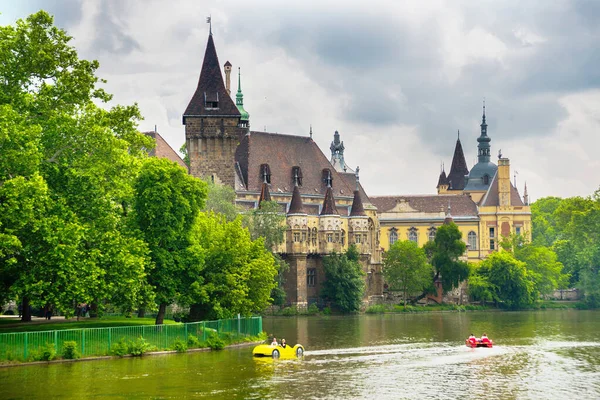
(326, 207)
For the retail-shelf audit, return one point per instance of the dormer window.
(211, 101)
(265, 173)
(327, 178)
(297, 176)
(486, 179)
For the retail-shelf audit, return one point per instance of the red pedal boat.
(476, 342)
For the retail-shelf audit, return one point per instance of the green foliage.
(508, 280)
(572, 227)
(45, 353)
(180, 345)
(238, 274)
(376, 309)
(215, 342)
(289, 311)
(444, 253)
(70, 350)
(312, 309)
(193, 342)
(221, 200)
(120, 348)
(344, 284)
(326, 311)
(139, 346)
(267, 222)
(406, 268)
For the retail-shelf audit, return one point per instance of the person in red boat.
(484, 339)
(473, 340)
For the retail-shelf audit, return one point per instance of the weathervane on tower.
(209, 22)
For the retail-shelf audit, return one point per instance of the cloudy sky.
(396, 79)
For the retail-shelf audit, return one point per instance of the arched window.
(486, 179)
(431, 233)
(265, 173)
(314, 236)
(393, 237)
(343, 239)
(472, 238)
(412, 235)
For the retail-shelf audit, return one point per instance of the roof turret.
(458, 170)
(265, 195)
(296, 206)
(239, 100)
(337, 153)
(357, 209)
(210, 97)
(443, 180)
(329, 202)
(448, 220)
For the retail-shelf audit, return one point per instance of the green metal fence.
(23, 346)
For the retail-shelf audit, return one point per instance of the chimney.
(228, 77)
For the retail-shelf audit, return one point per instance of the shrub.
(312, 309)
(9, 312)
(327, 311)
(376, 309)
(70, 351)
(215, 342)
(180, 346)
(44, 353)
(289, 311)
(120, 348)
(139, 347)
(193, 341)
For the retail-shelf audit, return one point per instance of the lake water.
(536, 355)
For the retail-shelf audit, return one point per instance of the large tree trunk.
(26, 310)
(94, 310)
(141, 312)
(160, 317)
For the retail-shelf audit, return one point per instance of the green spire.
(239, 99)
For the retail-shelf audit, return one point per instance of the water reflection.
(543, 355)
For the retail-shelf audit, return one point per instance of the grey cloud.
(110, 36)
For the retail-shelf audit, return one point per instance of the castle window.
(211, 103)
(304, 236)
(296, 236)
(297, 175)
(472, 238)
(518, 230)
(330, 238)
(265, 173)
(412, 235)
(327, 179)
(311, 277)
(314, 236)
(337, 237)
(343, 237)
(393, 237)
(492, 236)
(486, 179)
(357, 238)
(431, 234)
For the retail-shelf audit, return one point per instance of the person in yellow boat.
(274, 342)
(283, 343)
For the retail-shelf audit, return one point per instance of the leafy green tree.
(221, 200)
(406, 268)
(507, 280)
(79, 160)
(267, 222)
(167, 202)
(444, 253)
(344, 284)
(238, 273)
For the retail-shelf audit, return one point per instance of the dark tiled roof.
(163, 150)
(492, 197)
(329, 204)
(264, 193)
(458, 170)
(296, 206)
(227, 63)
(357, 206)
(442, 180)
(211, 85)
(350, 180)
(282, 153)
(461, 205)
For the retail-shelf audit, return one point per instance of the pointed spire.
(357, 209)
(337, 153)
(296, 205)
(483, 146)
(329, 203)
(310, 133)
(239, 99)
(211, 97)
(265, 195)
(448, 218)
(525, 195)
(443, 180)
(458, 169)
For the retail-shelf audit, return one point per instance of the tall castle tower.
(212, 124)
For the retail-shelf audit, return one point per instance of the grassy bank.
(8, 325)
